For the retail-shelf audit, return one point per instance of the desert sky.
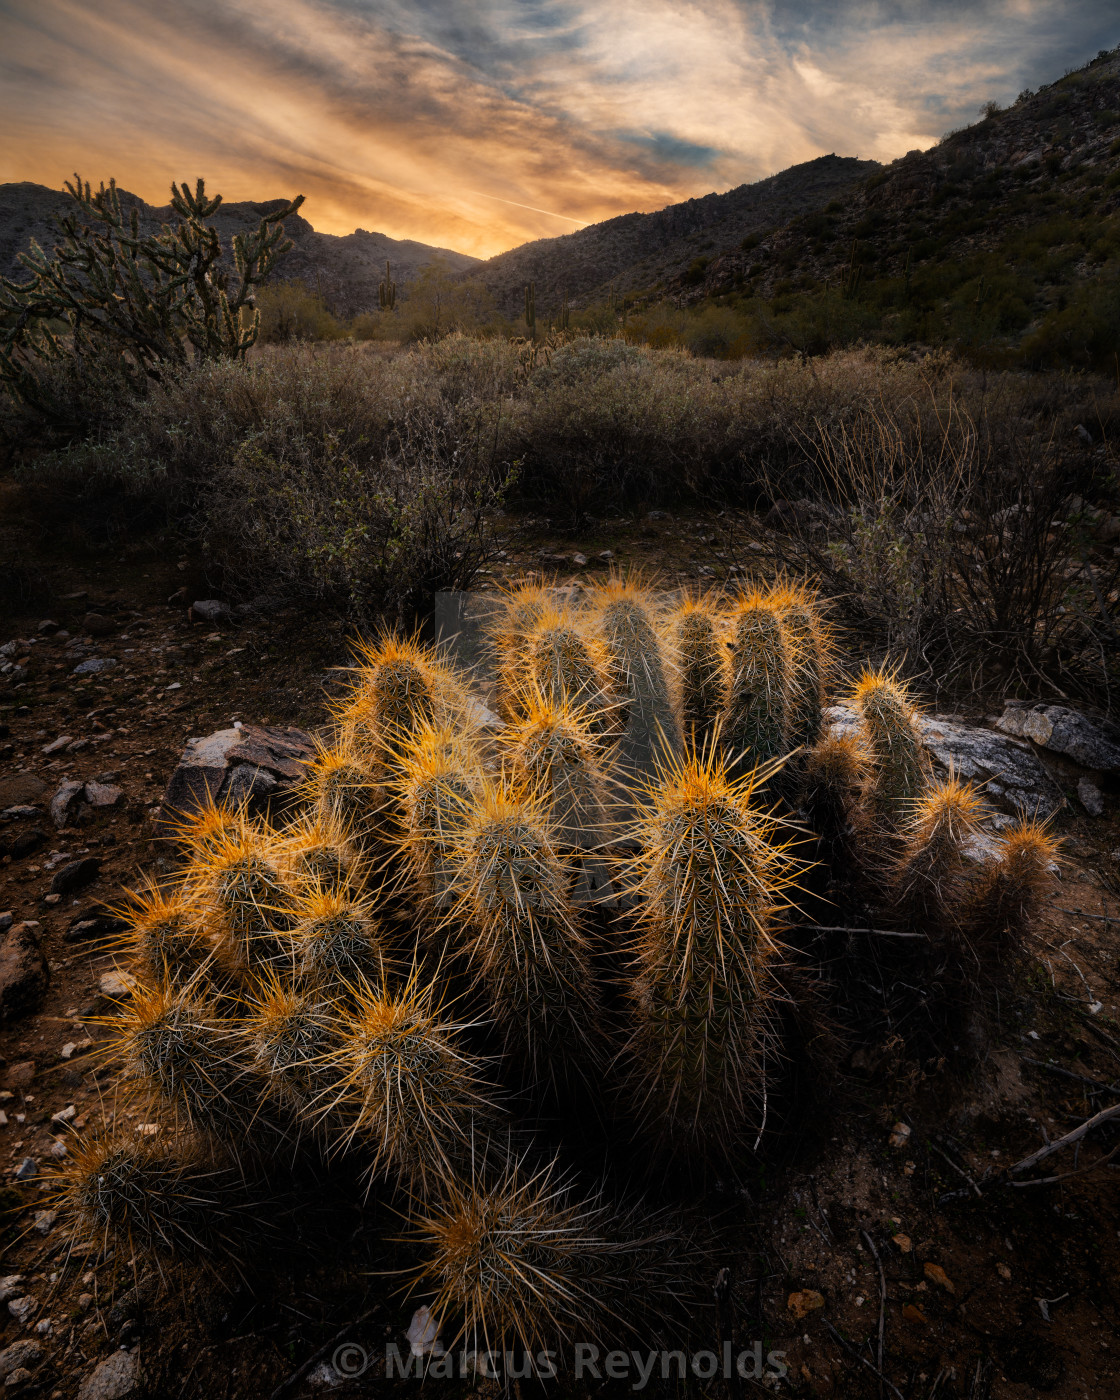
(480, 124)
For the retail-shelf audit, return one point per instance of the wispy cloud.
(478, 124)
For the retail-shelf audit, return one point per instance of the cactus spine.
(929, 877)
(440, 771)
(997, 911)
(571, 669)
(520, 613)
(808, 649)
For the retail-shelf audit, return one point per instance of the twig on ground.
(1097, 1084)
(863, 1361)
(882, 1297)
(878, 932)
(960, 1171)
(1101, 918)
(1104, 1116)
(285, 1386)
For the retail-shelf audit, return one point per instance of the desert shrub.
(290, 310)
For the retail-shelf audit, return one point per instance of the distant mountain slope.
(346, 269)
(640, 250)
(1004, 238)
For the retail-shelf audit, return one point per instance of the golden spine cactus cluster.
(568, 664)
(517, 618)
(709, 880)
(998, 910)
(810, 659)
(440, 773)
(522, 934)
(929, 878)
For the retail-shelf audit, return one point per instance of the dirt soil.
(883, 1234)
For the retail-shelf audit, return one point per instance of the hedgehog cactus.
(834, 774)
(439, 773)
(756, 719)
(410, 1093)
(518, 616)
(335, 939)
(240, 886)
(929, 877)
(888, 728)
(290, 1035)
(702, 671)
(401, 686)
(809, 658)
(709, 879)
(571, 668)
(523, 939)
(166, 937)
(318, 853)
(997, 911)
(625, 619)
(515, 1258)
(344, 794)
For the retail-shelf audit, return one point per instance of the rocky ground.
(885, 1232)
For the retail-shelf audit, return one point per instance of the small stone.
(43, 1221)
(72, 1045)
(1004, 1272)
(175, 685)
(75, 875)
(580, 561)
(58, 744)
(11, 1287)
(64, 1115)
(19, 1377)
(27, 1170)
(44, 1327)
(94, 666)
(47, 626)
(6, 920)
(118, 985)
(103, 794)
(914, 1314)
(22, 1308)
(19, 1356)
(903, 1242)
(209, 610)
(52, 899)
(936, 1274)
(606, 556)
(57, 1149)
(98, 625)
(85, 1301)
(20, 1075)
(148, 1129)
(658, 515)
(1090, 797)
(900, 1135)
(803, 1303)
(116, 1378)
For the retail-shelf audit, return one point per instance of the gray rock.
(24, 1354)
(94, 666)
(257, 761)
(116, 1378)
(1090, 797)
(11, 1287)
(210, 610)
(103, 794)
(21, 1375)
(24, 974)
(580, 561)
(7, 919)
(64, 802)
(1010, 773)
(58, 744)
(23, 1308)
(1063, 731)
(19, 788)
(75, 875)
(22, 813)
(98, 625)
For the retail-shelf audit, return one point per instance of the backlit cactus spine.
(571, 668)
(888, 727)
(929, 877)
(701, 670)
(439, 773)
(626, 622)
(998, 909)
(756, 721)
(809, 657)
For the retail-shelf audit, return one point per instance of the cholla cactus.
(516, 1258)
(888, 728)
(756, 719)
(625, 617)
(710, 880)
(410, 1093)
(521, 932)
(928, 880)
(701, 667)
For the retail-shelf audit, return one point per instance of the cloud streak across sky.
(479, 124)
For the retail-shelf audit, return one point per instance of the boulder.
(250, 762)
(209, 610)
(94, 666)
(19, 1355)
(1064, 731)
(24, 973)
(103, 794)
(1008, 770)
(75, 875)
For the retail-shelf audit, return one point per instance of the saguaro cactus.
(387, 291)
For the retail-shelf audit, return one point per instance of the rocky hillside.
(1004, 236)
(345, 269)
(637, 251)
